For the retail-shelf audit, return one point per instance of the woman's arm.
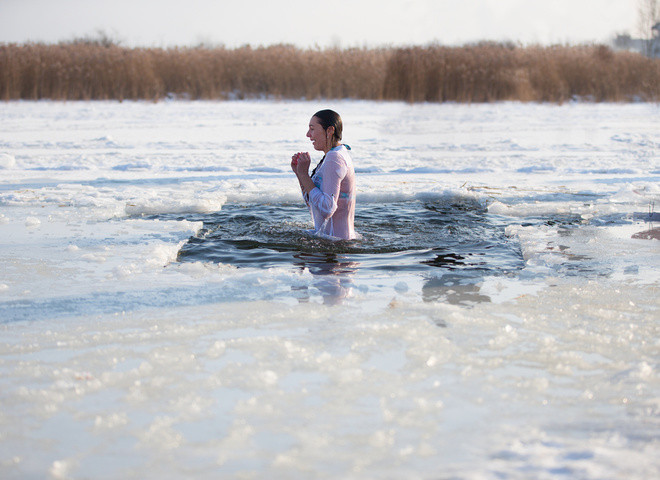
(325, 198)
(301, 169)
(294, 167)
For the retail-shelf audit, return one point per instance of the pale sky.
(308, 23)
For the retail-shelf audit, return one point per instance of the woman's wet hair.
(330, 118)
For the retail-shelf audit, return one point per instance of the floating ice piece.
(92, 257)
(161, 255)
(401, 287)
(158, 206)
(32, 222)
(61, 468)
(7, 161)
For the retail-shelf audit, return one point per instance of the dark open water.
(405, 236)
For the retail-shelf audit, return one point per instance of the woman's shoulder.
(339, 154)
(338, 161)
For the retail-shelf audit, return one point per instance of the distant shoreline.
(484, 72)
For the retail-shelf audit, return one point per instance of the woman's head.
(325, 130)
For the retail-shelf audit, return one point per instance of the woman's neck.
(333, 146)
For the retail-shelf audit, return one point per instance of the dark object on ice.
(652, 234)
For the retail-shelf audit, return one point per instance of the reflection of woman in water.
(333, 275)
(330, 189)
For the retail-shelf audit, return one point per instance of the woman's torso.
(338, 162)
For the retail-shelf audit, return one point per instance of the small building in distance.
(646, 46)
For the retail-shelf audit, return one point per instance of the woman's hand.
(294, 163)
(302, 164)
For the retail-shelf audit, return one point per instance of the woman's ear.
(331, 131)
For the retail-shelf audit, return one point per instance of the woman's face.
(317, 134)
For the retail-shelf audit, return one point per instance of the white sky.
(307, 23)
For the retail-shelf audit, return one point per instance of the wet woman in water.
(329, 190)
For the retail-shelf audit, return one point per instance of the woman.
(330, 189)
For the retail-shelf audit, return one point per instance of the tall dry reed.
(475, 73)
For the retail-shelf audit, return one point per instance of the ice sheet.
(118, 361)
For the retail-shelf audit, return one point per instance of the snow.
(118, 361)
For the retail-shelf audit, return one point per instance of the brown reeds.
(476, 73)
(494, 72)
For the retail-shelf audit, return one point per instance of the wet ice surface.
(498, 319)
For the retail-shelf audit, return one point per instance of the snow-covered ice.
(119, 361)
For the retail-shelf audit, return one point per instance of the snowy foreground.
(118, 361)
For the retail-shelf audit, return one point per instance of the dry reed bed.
(477, 73)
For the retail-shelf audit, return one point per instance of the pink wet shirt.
(332, 202)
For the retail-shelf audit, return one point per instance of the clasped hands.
(300, 163)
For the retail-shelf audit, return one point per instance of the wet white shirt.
(332, 202)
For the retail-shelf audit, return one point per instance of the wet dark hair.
(330, 118)
(327, 119)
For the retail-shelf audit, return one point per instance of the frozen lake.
(164, 315)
